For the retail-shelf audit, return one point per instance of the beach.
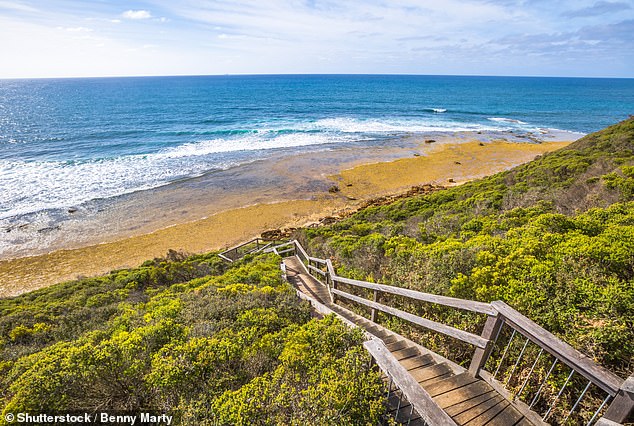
(282, 192)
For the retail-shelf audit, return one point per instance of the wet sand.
(310, 179)
(447, 165)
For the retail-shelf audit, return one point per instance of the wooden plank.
(521, 406)
(284, 251)
(463, 406)
(461, 335)
(486, 416)
(469, 305)
(391, 339)
(317, 260)
(478, 410)
(429, 372)
(470, 391)
(585, 366)
(331, 270)
(524, 422)
(301, 251)
(405, 353)
(491, 329)
(417, 396)
(396, 346)
(454, 382)
(417, 362)
(319, 271)
(509, 416)
(435, 380)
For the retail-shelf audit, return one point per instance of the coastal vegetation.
(190, 336)
(219, 343)
(553, 238)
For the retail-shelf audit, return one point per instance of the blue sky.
(68, 38)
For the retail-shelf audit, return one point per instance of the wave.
(391, 126)
(436, 110)
(33, 186)
(505, 120)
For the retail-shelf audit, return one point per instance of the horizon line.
(310, 74)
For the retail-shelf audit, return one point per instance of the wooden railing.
(252, 246)
(528, 363)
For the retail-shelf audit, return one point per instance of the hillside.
(554, 238)
(189, 337)
(215, 343)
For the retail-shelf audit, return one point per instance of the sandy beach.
(302, 199)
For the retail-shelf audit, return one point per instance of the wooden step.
(417, 362)
(488, 415)
(449, 384)
(391, 339)
(406, 353)
(462, 406)
(509, 416)
(426, 373)
(398, 345)
(463, 394)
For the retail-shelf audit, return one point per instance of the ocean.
(67, 142)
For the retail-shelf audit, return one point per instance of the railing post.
(622, 407)
(491, 329)
(376, 299)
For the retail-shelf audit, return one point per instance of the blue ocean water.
(67, 141)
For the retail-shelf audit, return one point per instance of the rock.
(72, 209)
(481, 144)
(430, 140)
(277, 234)
(457, 162)
(328, 220)
(451, 180)
(416, 154)
(333, 189)
(348, 184)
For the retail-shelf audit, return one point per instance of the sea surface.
(67, 142)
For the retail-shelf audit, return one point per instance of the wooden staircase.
(466, 399)
(533, 378)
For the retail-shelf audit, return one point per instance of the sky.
(81, 38)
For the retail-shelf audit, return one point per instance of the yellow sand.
(439, 167)
(227, 228)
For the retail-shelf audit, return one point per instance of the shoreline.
(359, 180)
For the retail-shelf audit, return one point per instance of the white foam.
(253, 142)
(505, 120)
(352, 125)
(28, 187)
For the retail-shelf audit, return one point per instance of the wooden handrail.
(456, 333)
(415, 394)
(469, 305)
(574, 359)
(497, 312)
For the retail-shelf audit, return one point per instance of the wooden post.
(621, 409)
(376, 299)
(480, 356)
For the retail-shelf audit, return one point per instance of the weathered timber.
(574, 359)
(454, 382)
(622, 407)
(468, 305)
(417, 396)
(491, 329)
(319, 271)
(423, 322)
